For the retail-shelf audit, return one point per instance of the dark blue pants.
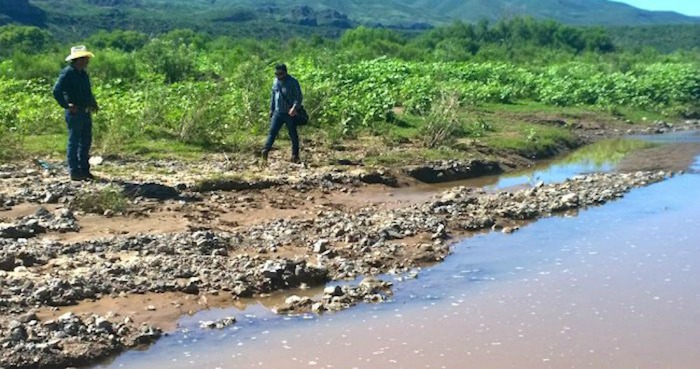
(279, 119)
(79, 142)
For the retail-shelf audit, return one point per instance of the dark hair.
(282, 67)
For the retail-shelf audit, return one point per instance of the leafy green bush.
(31, 67)
(111, 65)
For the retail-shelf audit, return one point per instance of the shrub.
(108, 198)
(443, 125)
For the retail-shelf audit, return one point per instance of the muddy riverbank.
(613, 287)
(180, 249)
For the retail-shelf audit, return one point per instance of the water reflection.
(674, 137)
(602, 156)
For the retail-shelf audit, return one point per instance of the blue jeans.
(79, 142)
(278, 119)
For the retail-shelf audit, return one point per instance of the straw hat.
(77, 52)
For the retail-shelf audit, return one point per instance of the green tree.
(175, 62)
(118, 39)
(30, 40)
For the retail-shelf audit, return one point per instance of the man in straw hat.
(74, 94)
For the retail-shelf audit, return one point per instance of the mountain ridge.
(278, 17)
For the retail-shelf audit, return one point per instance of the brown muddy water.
(617, 286)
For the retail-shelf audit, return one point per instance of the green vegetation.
(607, 151)
(532, 140)
(106, 199)
(186, 93)
(665, 38)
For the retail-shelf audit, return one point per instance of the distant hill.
(21, 11)
(71, 18)
(580, 12)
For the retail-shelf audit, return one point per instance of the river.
(616, 286)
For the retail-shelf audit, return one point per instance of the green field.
(187, 94)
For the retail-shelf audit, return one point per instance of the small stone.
(440, 233)
(104, 324)
(333, 291)
(150, 308)
(123, 331)
(320, 246)
(449, 197)
(18, 333)
(7, 263)
(242, 291)
(26, 318)
(69, 316)
(51, 198)
(191, 288)
(371, 283)
(571, 198)
(148, 334)
(317, 307)
(21, 269)
(219, 324)
(291, 300)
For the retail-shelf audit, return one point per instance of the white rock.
(320, 246)
(571, 198)
(317, 307)
(96, 160)
(292, 300)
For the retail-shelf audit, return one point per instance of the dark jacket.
(289, 86)
(73, 87)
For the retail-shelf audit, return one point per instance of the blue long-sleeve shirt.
(73, 87)
(291, 89)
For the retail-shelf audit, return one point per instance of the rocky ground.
(228, 238)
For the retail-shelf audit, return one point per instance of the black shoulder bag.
(302, 117)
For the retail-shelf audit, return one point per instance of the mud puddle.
(614, 287)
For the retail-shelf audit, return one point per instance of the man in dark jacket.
(285, 101)
(74, 94)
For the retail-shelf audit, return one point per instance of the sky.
(688, 7)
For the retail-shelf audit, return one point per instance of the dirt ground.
(353, 222)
